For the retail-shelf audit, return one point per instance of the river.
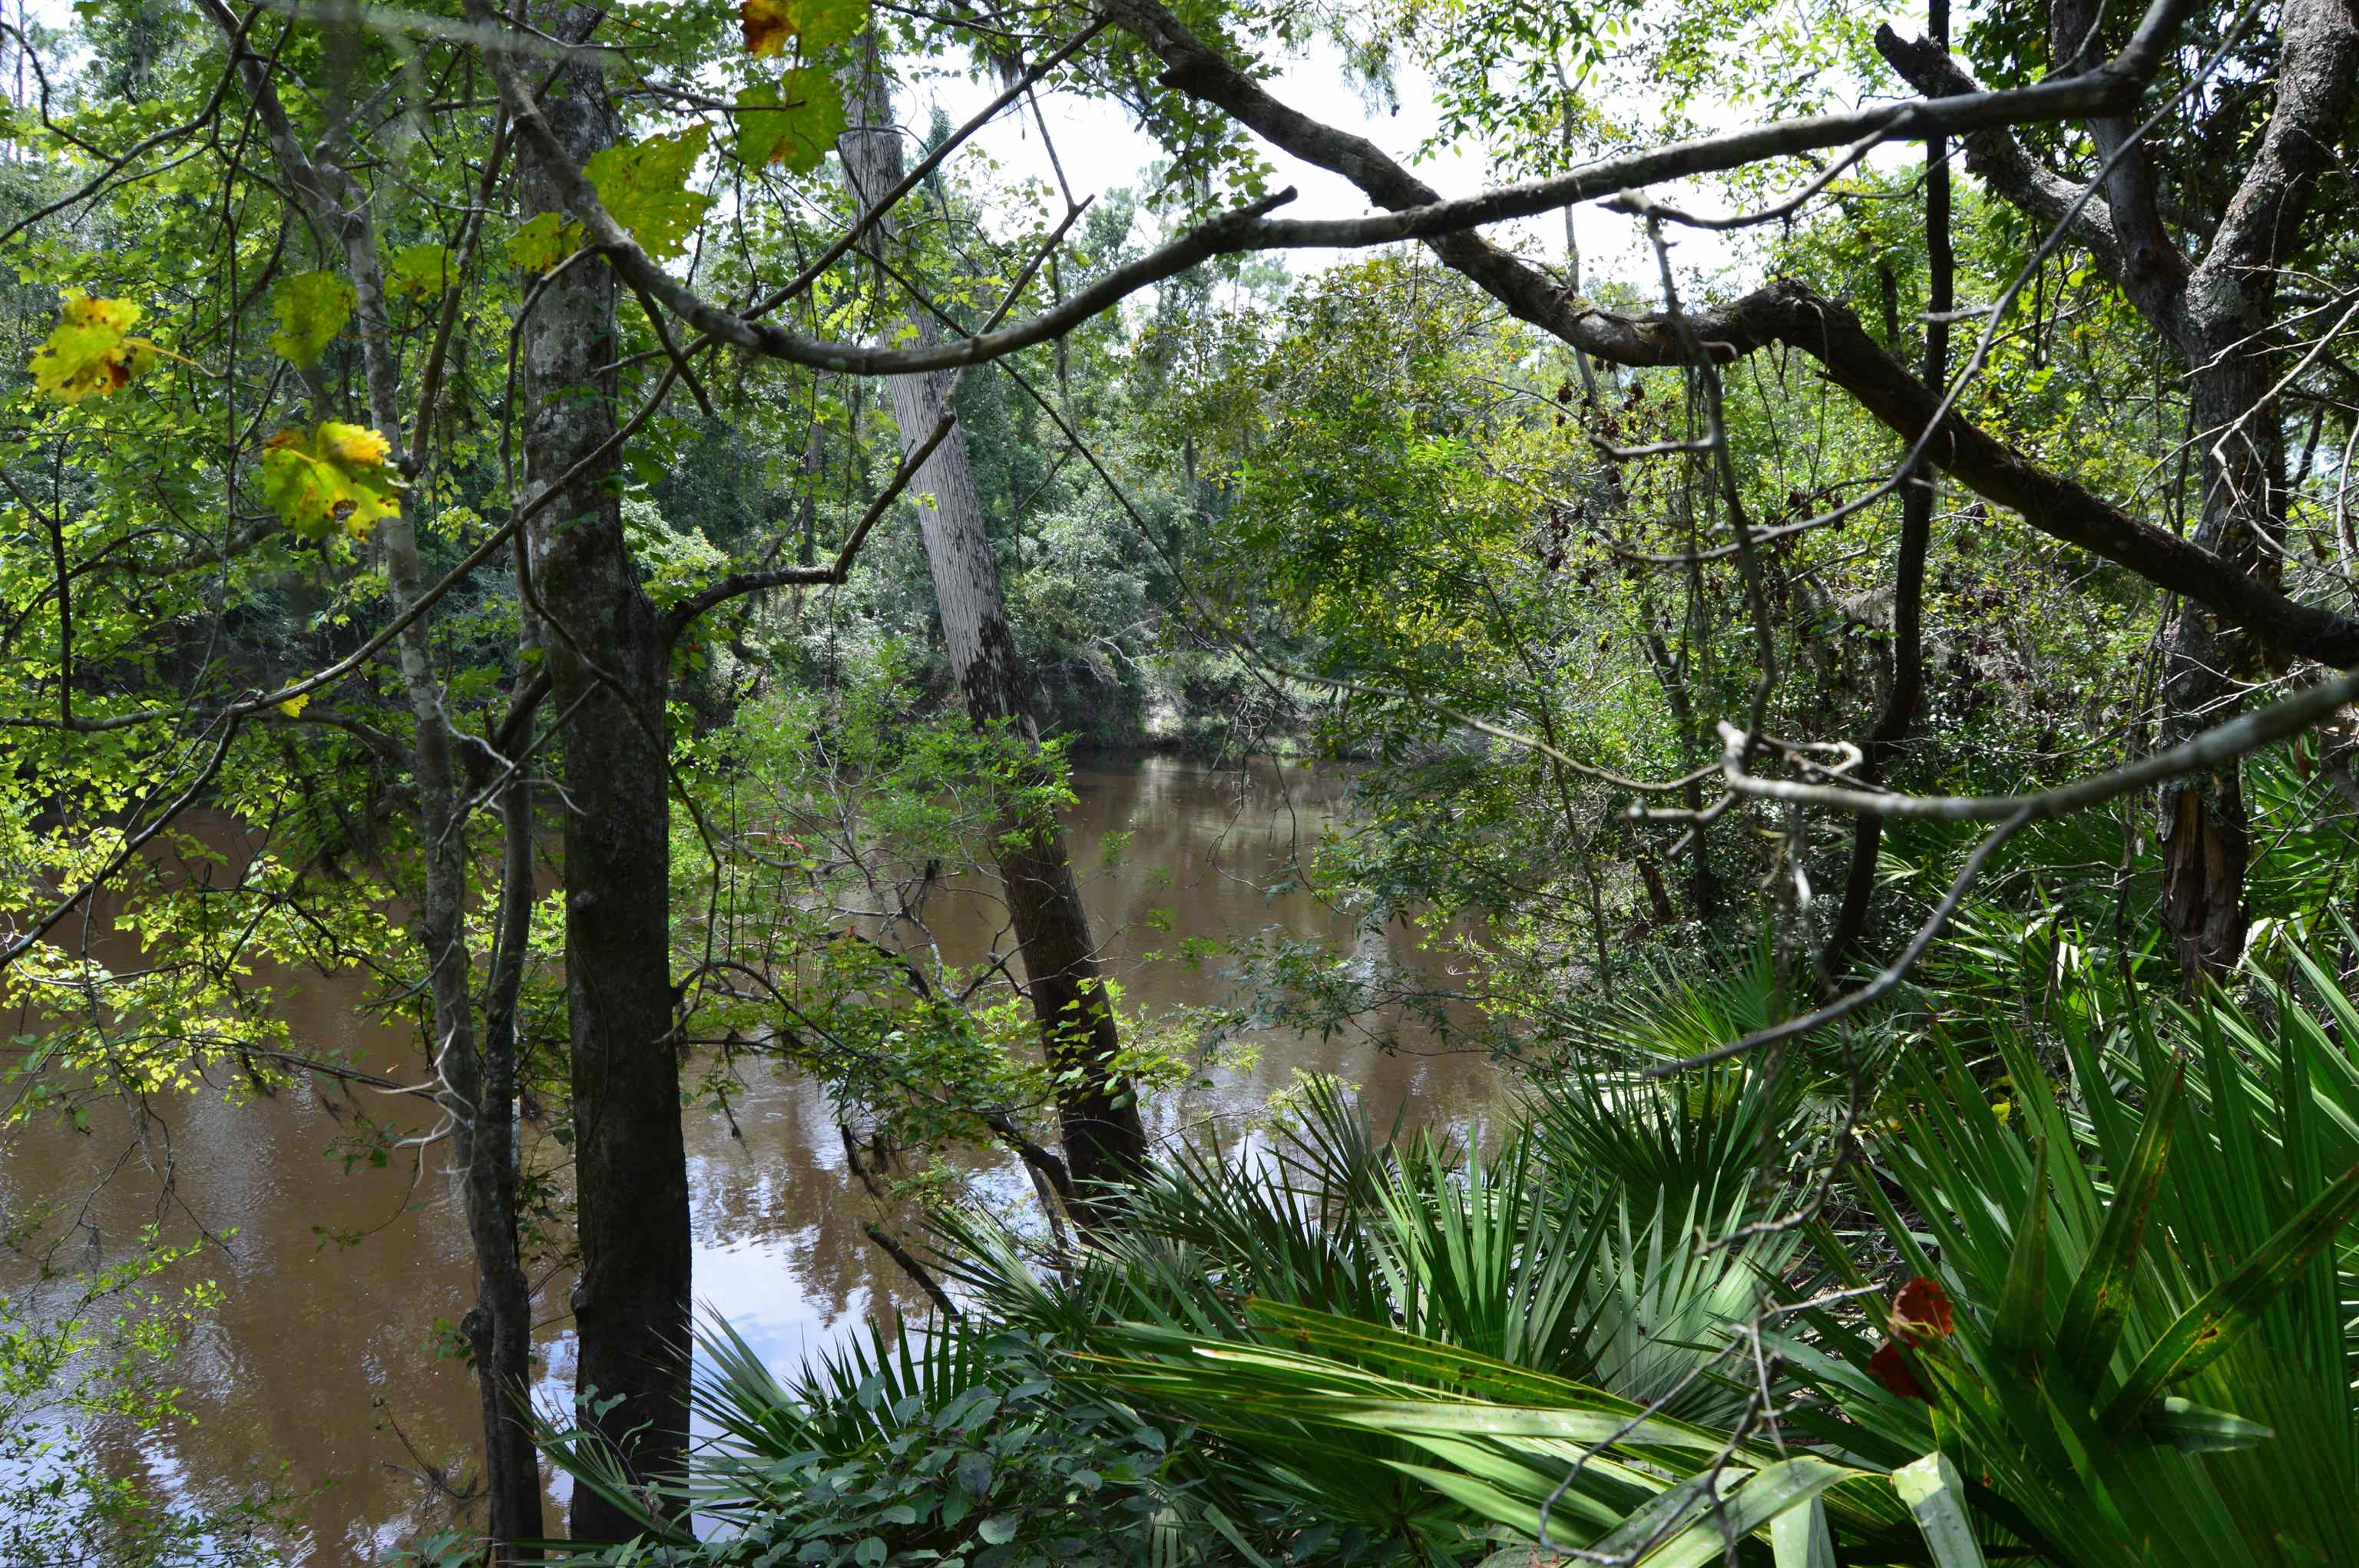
(321, 1355)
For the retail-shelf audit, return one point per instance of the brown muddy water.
(321, 1353)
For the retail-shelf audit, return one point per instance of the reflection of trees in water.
(788, 1190)
(305, 1334)
(308, 1332)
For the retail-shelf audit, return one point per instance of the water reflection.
(321, 1351)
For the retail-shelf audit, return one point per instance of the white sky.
(1100, 150)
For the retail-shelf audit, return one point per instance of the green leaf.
(2192, 1428)
(1460, 1419)
(419, 272)
(2201, 1333)
(997, 1530)
(2093, 1315)
(1936, 1497)
(792, 122)
(541, 243)
(645, 186)
(1799, 1538)
(1769, 1495)
(1220, 1521)
(311, 308)
(2022, 1321)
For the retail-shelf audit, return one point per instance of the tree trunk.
(2218, 314)
(480, 1093)
(1104, 1139)
(2227, 313)
(499, 1326)
(607, 673)
(1916, 500)
(1704, 884)
(2201, 824)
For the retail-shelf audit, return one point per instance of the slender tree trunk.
(1104, 1139)
(814, 469)
(479, 1098)
(1671, 671)
(1916, 500)
(607, 672)
(499, 1326)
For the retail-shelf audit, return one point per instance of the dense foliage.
(599, 525)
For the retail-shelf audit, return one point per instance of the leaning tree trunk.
(608, 676)
(2218, 312)
(1104, 1140)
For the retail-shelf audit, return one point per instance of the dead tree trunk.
(607, 669)
(1104, 1139)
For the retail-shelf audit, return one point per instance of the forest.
(975, 783)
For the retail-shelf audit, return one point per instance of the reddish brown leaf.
(1922, 1312)
(1890, 1366)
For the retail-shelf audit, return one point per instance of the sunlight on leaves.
(334, 477)
(645, 187)
(91, 350)
(311, 308)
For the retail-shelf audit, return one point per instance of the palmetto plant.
(1542, 1266)
(2075, 1298)
(910, 1448)
(2139, 1356)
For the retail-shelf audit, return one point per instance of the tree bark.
(499, 1326)
(2218, 314)
(608, 671)
(1916, 501)
(479, 1096)
(2229, 311)
(1104, 1139)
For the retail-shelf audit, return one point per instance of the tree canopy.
(630, 507)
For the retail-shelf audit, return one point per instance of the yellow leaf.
(814, 24)
(354, 444)
(765, 22)
(91, 350)
(332, 476)
(293, 707)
